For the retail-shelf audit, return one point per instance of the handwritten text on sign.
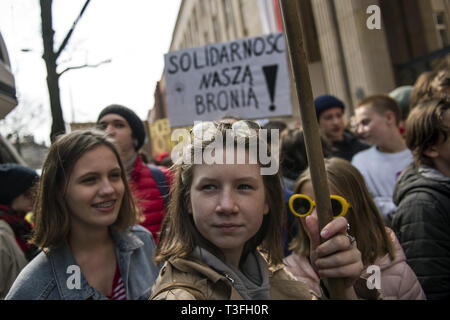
(246, 78)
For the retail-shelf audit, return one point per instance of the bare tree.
(51, 56)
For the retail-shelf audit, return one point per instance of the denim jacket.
(48, 276)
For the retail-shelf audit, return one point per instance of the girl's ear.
(431, 152)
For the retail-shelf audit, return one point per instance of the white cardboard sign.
(247, 78)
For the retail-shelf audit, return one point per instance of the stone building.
(346, 57)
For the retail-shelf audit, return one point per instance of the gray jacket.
(48, 276)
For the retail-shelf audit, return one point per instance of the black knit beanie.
(136, 125)
(15, 179)
(325, 102)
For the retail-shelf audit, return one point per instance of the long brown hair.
(179, 235)
(366, 224)
(425, 128)
(52, 218)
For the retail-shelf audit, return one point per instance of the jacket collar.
(126, 241)
(65, 268)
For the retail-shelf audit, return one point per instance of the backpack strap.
(161, 181)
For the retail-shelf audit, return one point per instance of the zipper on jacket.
(229, 278)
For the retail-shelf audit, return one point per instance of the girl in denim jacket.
(86, 225)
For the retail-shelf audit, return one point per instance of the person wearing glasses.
(378, 244)
(222, 238)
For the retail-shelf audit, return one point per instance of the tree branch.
(69, 34)
(84, 66)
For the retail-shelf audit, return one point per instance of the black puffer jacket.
(422, 225)
(348, 147)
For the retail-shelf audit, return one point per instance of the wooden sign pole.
(290, 10)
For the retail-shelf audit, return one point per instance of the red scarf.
(21, 227)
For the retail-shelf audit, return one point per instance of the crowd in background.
(388, 170)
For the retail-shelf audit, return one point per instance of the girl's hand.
(336, 257)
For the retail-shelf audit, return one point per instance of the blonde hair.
(179, 235)
(52, 218)
(366, 224)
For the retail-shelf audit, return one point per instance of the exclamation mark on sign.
(270, 72)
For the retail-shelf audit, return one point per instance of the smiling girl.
(86, 225)
(222, 236)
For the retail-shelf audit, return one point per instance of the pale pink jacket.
(398, 280)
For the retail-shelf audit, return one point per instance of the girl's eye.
(88, 180)
(208, 187)
(245, 187)
(115, 176)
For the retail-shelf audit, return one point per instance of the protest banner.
(246, 78)
(160, 136)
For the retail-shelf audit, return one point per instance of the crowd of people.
(105, 224)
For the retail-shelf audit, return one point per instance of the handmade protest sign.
(247, 78)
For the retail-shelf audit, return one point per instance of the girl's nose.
(227, 203)
(106, 188)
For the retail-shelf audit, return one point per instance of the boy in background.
(377, 121)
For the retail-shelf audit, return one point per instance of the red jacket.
(148, 196)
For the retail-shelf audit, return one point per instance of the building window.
(213, 7)
(441, 28)
(244, 23)
(193, 34)
(195, 21)
(228, 13)
(202, 7)
(216, 27)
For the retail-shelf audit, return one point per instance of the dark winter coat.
(348, 147)
(422, 225)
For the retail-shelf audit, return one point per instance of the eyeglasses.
(205, 130)
(301, 205)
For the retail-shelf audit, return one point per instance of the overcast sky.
(135, 34)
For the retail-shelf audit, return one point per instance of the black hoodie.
(422, 225)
